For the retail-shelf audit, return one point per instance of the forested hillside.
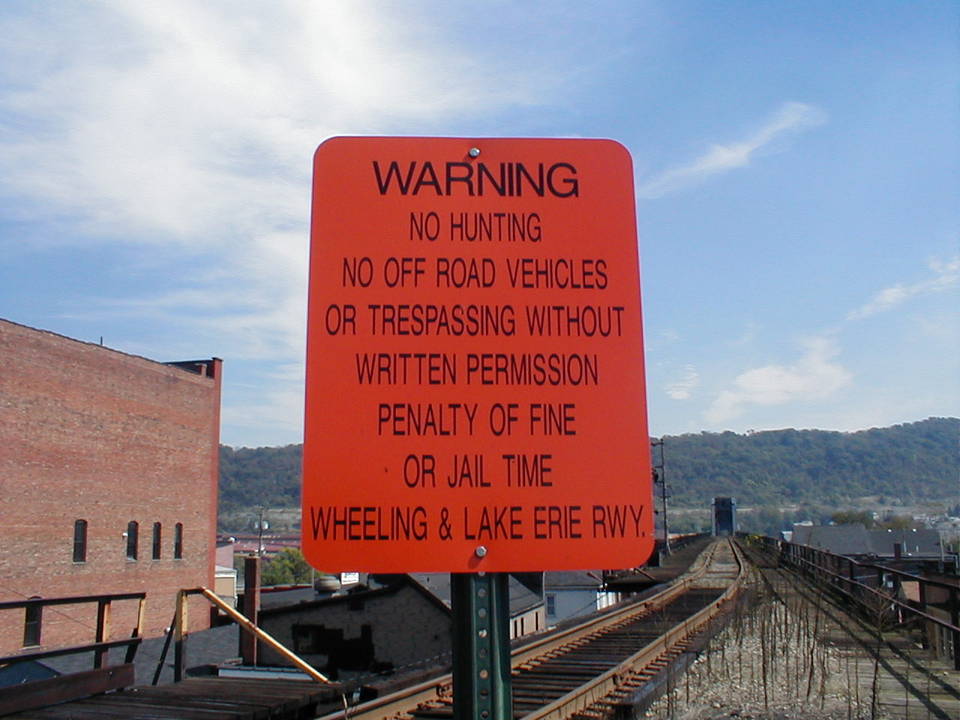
(908, 462)
(264, 476)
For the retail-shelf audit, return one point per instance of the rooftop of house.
(573, 580)
(522, 598)
(855, 539)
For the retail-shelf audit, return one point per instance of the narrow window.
(178, 541)
(80, 541)
(132, 529)
(33, 618)
(551, 604)
(156, 540)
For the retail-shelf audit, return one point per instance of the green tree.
(817, 468)
(853, 517)
(769, 520)
(898, 522)
(287, 567)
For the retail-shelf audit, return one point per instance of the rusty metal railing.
(179, 634)
(876, 589)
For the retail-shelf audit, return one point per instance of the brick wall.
(91, 433)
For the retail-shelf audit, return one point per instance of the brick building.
(108, 483)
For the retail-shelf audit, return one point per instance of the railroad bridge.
(722, 626)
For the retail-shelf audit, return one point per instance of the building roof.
(913, 542)
(22, 672)
(573, 580)
(287, 597)
(800, 534)
(839, 539)
(306, 599)
(194, 367)
(295, 600)
(522, 598)
(855, 539)
(434, 586)
(204, 648)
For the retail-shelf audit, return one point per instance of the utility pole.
(660, 478)
(261, 526)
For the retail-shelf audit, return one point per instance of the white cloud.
(273, 417)
(945, 275)
(187, 129)
(683, 387)
(195, 122)
(815, 376)
(791, 117)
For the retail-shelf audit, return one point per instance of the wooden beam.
(180, 638)
(69, 650)
(41, 693)
(70, 600)
(251, 607)
(103, 631)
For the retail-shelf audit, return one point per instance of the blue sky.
(796, 173)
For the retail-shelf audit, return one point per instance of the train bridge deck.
(210, 698)
(791, 650)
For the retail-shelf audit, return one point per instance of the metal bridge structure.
(612, 665)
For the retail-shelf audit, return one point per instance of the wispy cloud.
(189, 127)
(944, 275)
(815, 376)
(194, 123)
(279, 409)
(790, 118)
(682, 388)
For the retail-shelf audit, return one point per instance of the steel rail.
(577, 633)
(603, 685)
(439, 689)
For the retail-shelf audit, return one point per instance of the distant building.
(854, 540)
(575, 593)
(526, 606)
(724, 516)
(906, 543)
(401, 625)
(108, 483)
(267, 544)
(226, 573)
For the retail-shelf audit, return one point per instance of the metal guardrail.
(100, 646)
(102, 678)
(875, 588)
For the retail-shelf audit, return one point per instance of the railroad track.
(583, 671)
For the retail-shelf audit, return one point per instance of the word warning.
(475, 373)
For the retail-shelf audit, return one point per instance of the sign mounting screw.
(474, 152)
(481, 551)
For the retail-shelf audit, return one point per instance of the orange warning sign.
(475, 376)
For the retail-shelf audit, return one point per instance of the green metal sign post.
(481, 646)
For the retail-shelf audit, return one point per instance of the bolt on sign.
(475, 376)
